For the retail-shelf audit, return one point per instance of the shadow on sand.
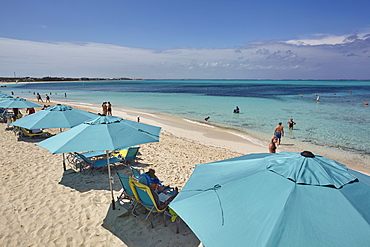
(134, 231)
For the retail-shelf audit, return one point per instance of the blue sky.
(186, 39)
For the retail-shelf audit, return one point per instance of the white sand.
(44, 206)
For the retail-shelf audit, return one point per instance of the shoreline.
(229, 138)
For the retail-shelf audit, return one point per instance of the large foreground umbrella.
(58, 116)
(103, 133)
(17, 103)
(285, 199)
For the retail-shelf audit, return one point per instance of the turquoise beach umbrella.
(17, 103)
(284, 199)
(102, 133)
(58, 116)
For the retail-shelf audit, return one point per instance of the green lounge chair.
(95, 164)
(127, 154)
(146, 198)
(127, 192)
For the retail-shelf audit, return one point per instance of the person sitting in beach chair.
(151, 180)
(151, 200)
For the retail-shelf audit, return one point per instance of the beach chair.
(127, 154)
(3, 115)
(22, 132)
(95, 164)
(127, 192)
(136, 172)
(145, 197)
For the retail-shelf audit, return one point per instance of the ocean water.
(339, 121)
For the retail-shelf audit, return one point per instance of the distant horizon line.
(61, 79)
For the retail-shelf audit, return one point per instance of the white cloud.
(325, 57)
(327, 39)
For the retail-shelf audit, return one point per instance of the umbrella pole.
(64, 163)
(110, 182)
(64, 160)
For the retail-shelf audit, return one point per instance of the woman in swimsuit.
(272, 146)
(291, 123)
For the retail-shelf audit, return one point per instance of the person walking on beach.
(105, 108)
(291, 123)
(279, 131)
(38, 96)
(109, 109)
(47, 98)
(272, 146)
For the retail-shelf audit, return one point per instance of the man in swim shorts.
(279, 132)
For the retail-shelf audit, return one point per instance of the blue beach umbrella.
(17, 103)
(284, 199)
(102, 133)
(58, 116)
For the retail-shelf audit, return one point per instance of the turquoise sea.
(340, 120)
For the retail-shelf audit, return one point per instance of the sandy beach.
(42, 205)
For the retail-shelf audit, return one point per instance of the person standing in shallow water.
(109, 109)
(38, 96)
(105, 108)
(291, 123)
(279, 131)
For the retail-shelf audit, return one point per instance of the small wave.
(199, 123)
(250, 139)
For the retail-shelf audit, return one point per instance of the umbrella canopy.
(17, 103)
(102, 133)
(5, 97)
(58, 116)
(284, 199)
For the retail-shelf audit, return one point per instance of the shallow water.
(339, 121)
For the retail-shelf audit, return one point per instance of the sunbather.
(151, 180)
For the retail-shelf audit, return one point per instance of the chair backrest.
(135, 172)
(125, 182)
(25, 131)
(84, 158)
(144, 195)
(131, 153)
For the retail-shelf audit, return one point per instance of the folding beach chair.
(136, 172)
(127, 192)
(145, 197)
(127, 154)
(22, 132)
(95, 164)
